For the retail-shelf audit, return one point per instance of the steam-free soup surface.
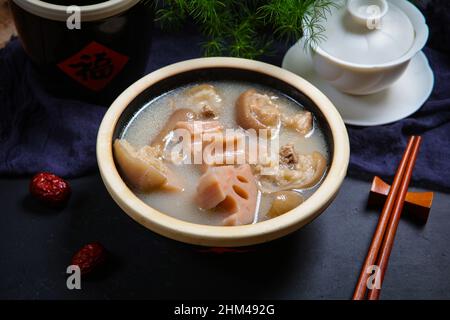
(147, 123)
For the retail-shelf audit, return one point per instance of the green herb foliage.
(247, 28)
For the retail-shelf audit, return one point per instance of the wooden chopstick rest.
(417, 204)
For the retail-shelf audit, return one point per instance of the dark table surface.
(320, 261)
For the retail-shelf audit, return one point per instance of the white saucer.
(402, 99)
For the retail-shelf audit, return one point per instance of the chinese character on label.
(94, 66)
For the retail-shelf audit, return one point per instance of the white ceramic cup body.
(362, 79)
(357, 81)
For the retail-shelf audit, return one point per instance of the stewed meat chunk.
(302, 122)
(255, 110)
(288, 155)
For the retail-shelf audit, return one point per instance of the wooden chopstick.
(388, 240)
(361, 286)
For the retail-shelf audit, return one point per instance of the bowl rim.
(421, 36)
(222, 235)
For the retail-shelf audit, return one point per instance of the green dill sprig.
(249, 28)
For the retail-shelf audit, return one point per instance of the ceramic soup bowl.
(214, 69)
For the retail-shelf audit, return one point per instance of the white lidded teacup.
(369, 44)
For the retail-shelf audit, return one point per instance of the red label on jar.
(94, 66)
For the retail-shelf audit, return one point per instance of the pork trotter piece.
(143, 169)
(255, 110)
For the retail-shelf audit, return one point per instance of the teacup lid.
(367, 32)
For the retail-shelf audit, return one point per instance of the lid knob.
(368, 12)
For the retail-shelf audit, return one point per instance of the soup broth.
(183, 204)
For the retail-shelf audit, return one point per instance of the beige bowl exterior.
(222, 236)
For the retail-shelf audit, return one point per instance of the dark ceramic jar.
(91, 51)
